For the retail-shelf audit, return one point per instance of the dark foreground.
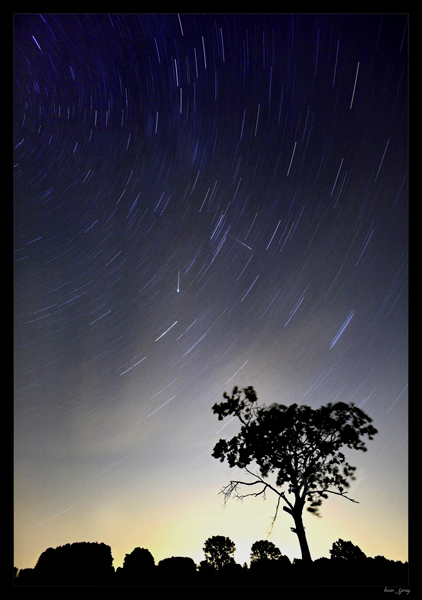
(379, 572)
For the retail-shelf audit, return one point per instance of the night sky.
(203, 201)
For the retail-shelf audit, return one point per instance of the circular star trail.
(203, 201)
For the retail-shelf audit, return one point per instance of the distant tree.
(177, 570)
(138, 566)
(178, 563)
(139, 558)
(346, 550)
(298, 445)
(264, 550)
(206, 568)
(80, 563)
(218, 551)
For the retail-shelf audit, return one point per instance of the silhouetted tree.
(80, 563)
(138, 567)
(139, 558)
(206, 570)
(346, 550)
(267, 564)
(177, 570)
(218, 551)
(299, 445)
(264, 550)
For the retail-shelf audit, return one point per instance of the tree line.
(91, 564)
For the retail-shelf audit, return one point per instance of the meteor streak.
(342, 328)
(166, 330)
(248, 247)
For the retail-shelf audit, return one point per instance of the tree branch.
(232, 488)
(343, 494)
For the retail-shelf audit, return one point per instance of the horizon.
(197, 562)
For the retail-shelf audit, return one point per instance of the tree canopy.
(263, 550)
(80, 562)
(298, 446)
(346, 550)
(139, 558)
(219, 551)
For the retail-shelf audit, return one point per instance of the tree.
(297, 446)
(178, 564)
(138, 566)
(218, 551)
(264, 550)
(80, 563)
(346, 550)
(139, 558)
(268, 564)
(177, 570)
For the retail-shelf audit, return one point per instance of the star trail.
(203, 201)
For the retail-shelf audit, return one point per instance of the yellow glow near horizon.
(180, 528)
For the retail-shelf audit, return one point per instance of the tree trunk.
(300, 532)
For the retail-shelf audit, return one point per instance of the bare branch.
(265, 483)
(343, 494)
(232, 488)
